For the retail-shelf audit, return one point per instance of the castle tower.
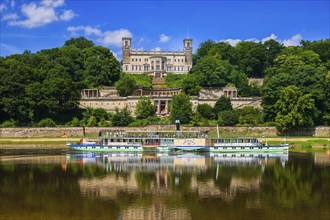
(126, 49)
(187, 45)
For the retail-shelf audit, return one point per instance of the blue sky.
(42, 24)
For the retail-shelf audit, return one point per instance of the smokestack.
(177, 123)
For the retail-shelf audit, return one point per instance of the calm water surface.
(164, 186)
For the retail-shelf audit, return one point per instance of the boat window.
(247, 141)
(221, 141)
(234, 140)
(240, 140)
(215, 147)
(254, 140)
(227, 140)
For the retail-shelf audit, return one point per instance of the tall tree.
(294, 109)
(251, 58)
(181, 108)
(126, 85)
(202, 50)
(144, 108)
(222, 104)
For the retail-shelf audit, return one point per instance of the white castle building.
(156, 63)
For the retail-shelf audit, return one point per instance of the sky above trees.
(35, 25)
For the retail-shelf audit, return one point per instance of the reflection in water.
(165, 186)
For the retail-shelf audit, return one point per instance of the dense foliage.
(42, 89)
(46, 84)
(181, 108)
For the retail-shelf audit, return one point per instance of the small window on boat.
(227, 140)
(135, 147)
(234, 148)
(215, 147)
(240, 140)
(242, 147)
(254, 140)
(221, 141)
(118, 147)
(234, 140)
(247, 141)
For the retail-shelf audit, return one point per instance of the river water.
(164, 186)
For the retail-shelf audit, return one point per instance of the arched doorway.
(162, 109)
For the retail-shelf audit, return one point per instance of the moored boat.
(245, 144)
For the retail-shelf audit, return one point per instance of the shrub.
(228, 118)
(9, 123)
(46, 122)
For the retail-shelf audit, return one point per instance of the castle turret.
(126, 49)
(187, 45)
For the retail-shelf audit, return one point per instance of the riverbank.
(297, 144)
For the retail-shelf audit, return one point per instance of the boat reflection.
(187, 161)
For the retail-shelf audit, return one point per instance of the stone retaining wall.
(79, 131)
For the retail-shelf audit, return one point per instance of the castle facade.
(156, 63)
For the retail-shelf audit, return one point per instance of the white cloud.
(88, 30)
(7, 17)
(40, 14)
(163, 38)
(255, 40)
(52, 3)
(67, 15)
(107, 38)
(114, 38)
(271, 37)
(232, 42)
(2, 7)
(293, 41)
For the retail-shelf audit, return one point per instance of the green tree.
(190, 85)
(122, 117)
(210, 72)
(79, 42)
(250, 116)
(205, 111)
(144, 108)
(251, 58)
(181, 108)
(47, 122)
(222, 104)
(273, 49)
(202, 50)
(92, 121)
(321, 47)
(294, 109)
(100, 67)
(125, 86)
(228, 117)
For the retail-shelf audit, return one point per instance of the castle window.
(126, 43)
(175, 68)
(182, 60)
(188, 44)
(140, 60)
(174, 60)
(157, 65)
(126, 67)
(139, 67)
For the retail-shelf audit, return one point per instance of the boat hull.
(275, 148)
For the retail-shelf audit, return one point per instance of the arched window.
(152, 65)
(157, 65)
